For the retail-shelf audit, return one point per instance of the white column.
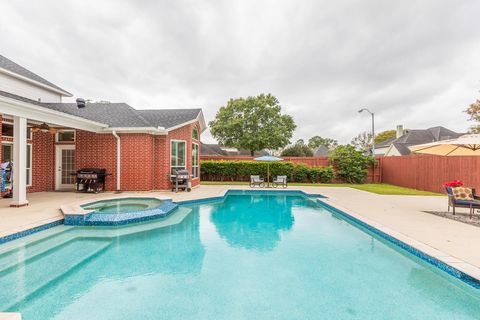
(19, 162)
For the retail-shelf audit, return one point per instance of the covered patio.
(27, 129)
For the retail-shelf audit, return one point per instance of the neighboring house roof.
(320, 151)
(213, 149)
(17, 69)
(120, 115)
(420, 136)
(385, 143)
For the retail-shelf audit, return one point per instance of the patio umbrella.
(466, 145)
(268, 159)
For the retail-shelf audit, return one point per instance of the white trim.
(30, 180)
(185, 156)
(38, 84)
(37, 113)
(117, 137)
(58, 163)
(66, 130)
(149, 130)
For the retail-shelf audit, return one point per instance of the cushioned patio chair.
(461, 197)
(256, 180)
(280, 181)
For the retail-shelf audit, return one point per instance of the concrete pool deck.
(402, 217)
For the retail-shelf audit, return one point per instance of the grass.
(378, 188)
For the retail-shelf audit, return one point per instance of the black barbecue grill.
(91, 179)
(180, 180)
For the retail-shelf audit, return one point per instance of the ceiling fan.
(44, 128)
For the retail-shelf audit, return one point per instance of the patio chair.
(461, 197)
(254, 180)
(280, 181)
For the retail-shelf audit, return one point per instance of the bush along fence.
(213, 170)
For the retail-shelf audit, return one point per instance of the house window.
(66, 136)
(195, 133)
(178, 154)
(195, 160)
(7, 156)
(7, 130)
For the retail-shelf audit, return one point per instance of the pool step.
(21, 254)
(24, 279)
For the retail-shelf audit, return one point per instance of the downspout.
(118, 158)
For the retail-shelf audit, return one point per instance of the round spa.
(125, 205)
(113, 212)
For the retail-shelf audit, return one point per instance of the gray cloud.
(411, 62)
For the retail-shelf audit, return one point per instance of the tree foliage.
(351, 165)
(297, 150)
(474, 112)
(363, 142)
(253, 123)
(316, 141)
(385, 135)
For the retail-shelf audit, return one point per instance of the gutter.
(118, 158)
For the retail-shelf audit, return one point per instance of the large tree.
(253, 123)
(384, 135)
(363, 142)
(474, 112)
(317, 141)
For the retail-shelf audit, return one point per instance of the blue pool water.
(247, 257)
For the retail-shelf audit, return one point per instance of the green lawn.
(378, 188)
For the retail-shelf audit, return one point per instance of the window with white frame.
(195, 133)
(7, 157)
(7, 130)
(178, 154)
(66, 136)
(195, 160)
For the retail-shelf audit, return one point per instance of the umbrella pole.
(268, 175)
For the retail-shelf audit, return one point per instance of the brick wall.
(97, 151)
(145, 163)
(43, 164)
(137, 162)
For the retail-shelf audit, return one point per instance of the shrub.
(321, 174)
(302, 173)
(222, 170)
(350, 164)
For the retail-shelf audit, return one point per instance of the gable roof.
(385, 143)
(16, 69)
(121, 115)
(169, 118)
(420, 136)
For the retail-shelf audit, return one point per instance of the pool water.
(247, 257)
(124, 205)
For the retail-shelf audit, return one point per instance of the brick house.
(47, 139)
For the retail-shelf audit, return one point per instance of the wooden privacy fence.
(374, 175)
(425, 172)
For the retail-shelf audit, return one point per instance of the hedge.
(221, 170)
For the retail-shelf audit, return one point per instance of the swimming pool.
(250, 256)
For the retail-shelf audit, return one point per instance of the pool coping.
(457, 268)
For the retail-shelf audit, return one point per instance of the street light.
(373, 127)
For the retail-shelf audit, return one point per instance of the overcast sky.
(414, 63)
